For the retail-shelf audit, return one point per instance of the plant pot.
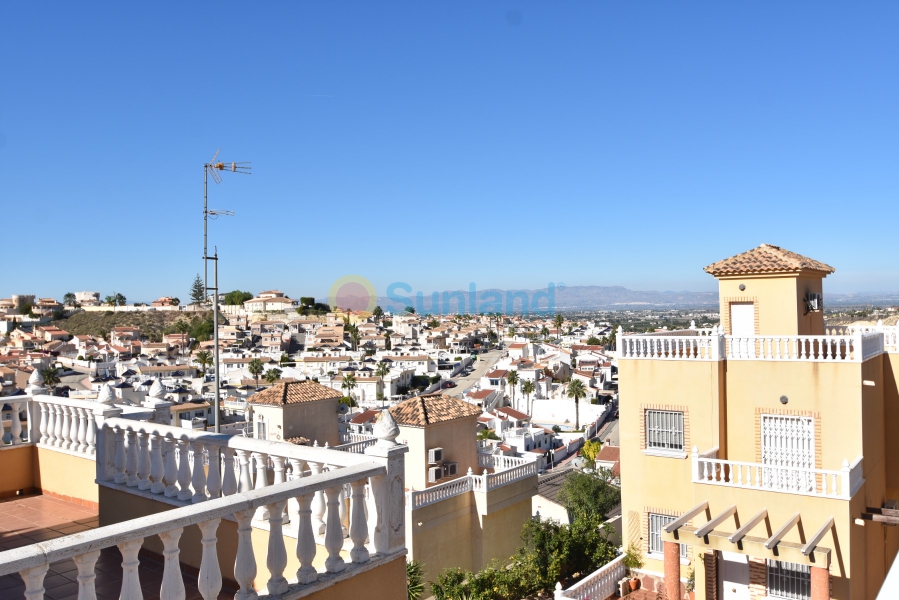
(691, 595)
(634, 583)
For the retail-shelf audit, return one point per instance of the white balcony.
(841, 484)
(470, 483)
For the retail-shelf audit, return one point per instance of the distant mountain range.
(586, 297)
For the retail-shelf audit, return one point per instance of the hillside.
(152, 323)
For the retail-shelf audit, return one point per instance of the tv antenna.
(215, 169)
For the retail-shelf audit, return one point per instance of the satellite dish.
(342, 409)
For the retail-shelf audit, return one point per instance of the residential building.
(296, 409)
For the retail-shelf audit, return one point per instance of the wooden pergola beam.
(819, 535)
(682, 520)
(740, 533)
(714, 522)
(780, 533)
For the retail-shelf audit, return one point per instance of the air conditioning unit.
(435, 474)
(450, 469)
(435, 455)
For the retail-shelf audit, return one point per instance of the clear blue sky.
(508, 144)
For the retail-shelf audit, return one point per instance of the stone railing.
(386, 539)
(498, 462)
(19, 432)
(485, 482)
(857, 347)
(599, 585)
(358, 446)
(842, 483)
(890, 333)
(71, 425)
(689, 344)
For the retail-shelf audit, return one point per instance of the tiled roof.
(420, 411)
(365, 417)
(515, 414)
(609, 454)
(497, 374)
(293, 393)
(766, 259)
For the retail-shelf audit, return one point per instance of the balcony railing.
(842, 483)
(322, 491)
(470, 483)
(599, 585)
(499, 462)
(858, 346)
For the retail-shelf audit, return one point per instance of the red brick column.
(672, 570)
(820, 583)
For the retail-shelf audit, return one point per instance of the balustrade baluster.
(296, 471)
(261, 480)
(130, 578)
(43, 425)
(171, 467)
(143, 463)
(90, 432)
(246, 478)
(15, 426)
(305, 541)
(57, 425)
(64, 440)
(73, 428)
(156, 467)
(214, 477)
(245, 561)
(172, 587)
(198, 479)
(344, 521)
(184, 492)
(34, 581)
(318, 502)
(119, 460)
(131, 459)
(276, 561)
(333, 533)
(229, 480)
(358, 523)
(51, 424)
(82, 429)
(209, 582)
(739, 474)
(86, 575)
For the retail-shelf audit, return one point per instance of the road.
(484, 364)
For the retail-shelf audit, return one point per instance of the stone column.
(820, 583)
(672, 570)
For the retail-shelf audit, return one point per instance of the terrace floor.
(32, 519)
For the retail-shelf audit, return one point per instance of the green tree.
(558, 323)
(51, 376)
(355, 336)
(204, 358)
(348, 400)
(544, 331)
(256, 367)
(307, 301)
(409, 310)
(198, 291)
(377, 313)
(589, 451)
(512, 331)
(272, 375)
(382, 370)
(237, 297)
(69, 299)
(527, 388)
(176, 301)
(433, 323)
(348, 384)
(285, 358)
(512, 378)
(577, 391)
(387, 340)
(594, 341)
(414, 580)
(488, 434)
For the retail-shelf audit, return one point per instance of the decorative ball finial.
(157, 390)
(36, 378)
(386, 430)
(106, 395)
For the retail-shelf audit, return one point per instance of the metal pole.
(215, 337)
(205, 213)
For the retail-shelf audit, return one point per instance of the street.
(482, 365)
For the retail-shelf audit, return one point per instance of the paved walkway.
(482, 365)
(31, 519)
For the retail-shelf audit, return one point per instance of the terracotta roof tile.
(766, 259)
(293, 393)
(435, 408)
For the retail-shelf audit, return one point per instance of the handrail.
(599, 584)
(66, 547)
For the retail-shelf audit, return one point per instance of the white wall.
(557, 411)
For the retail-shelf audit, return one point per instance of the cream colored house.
(760, 455)
(296, 409)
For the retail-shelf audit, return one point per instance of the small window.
(789, 580)
(656, 523)
(665, 430)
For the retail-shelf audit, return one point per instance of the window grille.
(789, 580)
(656, 523)
(665, 430)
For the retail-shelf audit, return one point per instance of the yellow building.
(296, 409)
(756, 456)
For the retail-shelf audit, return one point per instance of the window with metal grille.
(656, 523)
(665, 430)
(789, 580)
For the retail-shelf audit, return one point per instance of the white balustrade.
(689, 344)
(385, 539)
(841, 483)
(470, 483)
(602, 583)
(56, 422)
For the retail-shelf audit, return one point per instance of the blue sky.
(508, 144)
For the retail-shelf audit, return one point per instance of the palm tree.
(527, 388)
(377, 313)
(51, 376)
(255, 368)
(284, 359)
(204, 357)
(558, 323)
(272, 375)
(69, 299)
(355, 337)
(348, 384)
(512, 331)
(512, 378)
(544, 331)
(382, 370)
(576, 390)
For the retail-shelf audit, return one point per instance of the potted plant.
(633, 560)
(691, 585)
